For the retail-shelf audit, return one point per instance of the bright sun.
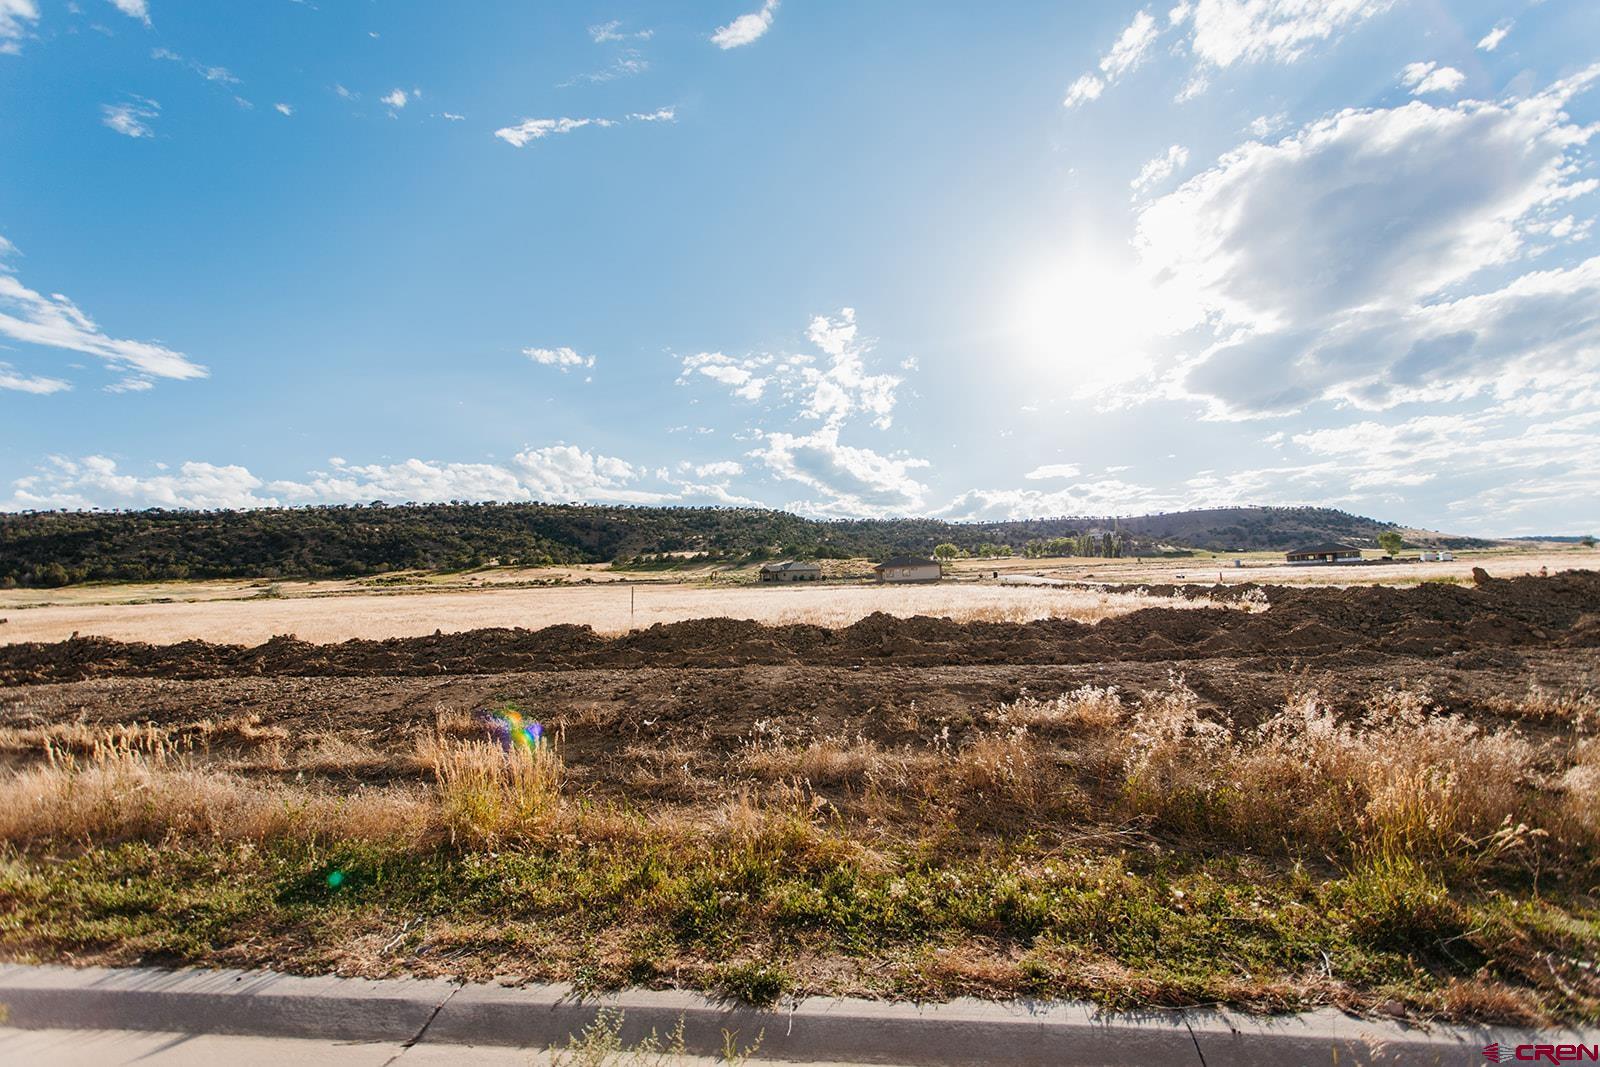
(1086, 322)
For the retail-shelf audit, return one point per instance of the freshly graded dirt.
(1487, 625)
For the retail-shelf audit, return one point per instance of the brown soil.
(668, 719)
(1484, 626)
(704, 684)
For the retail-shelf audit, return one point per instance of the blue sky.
(969, 260)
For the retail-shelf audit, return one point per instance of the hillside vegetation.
(60, 547)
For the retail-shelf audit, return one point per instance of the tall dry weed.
(125, 789)
(1403, 779)
(488, 794)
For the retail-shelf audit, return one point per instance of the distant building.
(791, 571)
(1325, 554)
(908, 569)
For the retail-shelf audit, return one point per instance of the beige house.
(791, 571)
(908, 569)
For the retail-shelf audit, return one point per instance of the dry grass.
(487, 795)
(125, 791)
(1396, 777)
(947, 856)
(1402, 778)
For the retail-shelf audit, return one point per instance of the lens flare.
(513, 731)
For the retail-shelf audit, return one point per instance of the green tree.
(946, 551)
(1391, 542)
(1587, 541)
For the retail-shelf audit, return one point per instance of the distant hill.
(1560, 539)
(62, 547)
(1249, 529)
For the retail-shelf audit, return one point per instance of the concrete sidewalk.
(130, 1048)
(412, 1016)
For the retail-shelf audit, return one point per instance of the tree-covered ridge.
(59, 547)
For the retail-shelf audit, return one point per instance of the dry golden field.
(1270, 568)
(614, 601)
(610, 608)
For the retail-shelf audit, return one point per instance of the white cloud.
(831, 390)
(739, 375)
(1195, 86)
(95, 481)
(1430, 195)
(529, 130)
(131, 119)
(1282, 31)
(1160, 168)
(1086, 88)
(1126, 53)
(395, 99)
(56, 322)
(746, 28)
(564, 358)
(715, 493)
(13, 13)
(1130, 47)
(1429, 77)
(1053, 470)
(452, 116)
(24, 383)
(346, 93)
(607, 32)
(1361, 305)
(138, 9)
(538, 129)
(1492, 39)
(566, 472)
(725, 468)
(556, 473)
(1105, 497)
(1266, 125)
(853, 481)
(1221, 33)
(844, 387)
(283, 109)
(625, 65)
(220, 76)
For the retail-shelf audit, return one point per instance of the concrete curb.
(435, 1012)
(219, 1002)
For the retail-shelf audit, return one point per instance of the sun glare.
(1085, 322)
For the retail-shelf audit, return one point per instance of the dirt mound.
(1432, 619)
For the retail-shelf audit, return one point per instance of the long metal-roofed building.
(1327, 553)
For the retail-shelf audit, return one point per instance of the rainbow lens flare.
(513, 731)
